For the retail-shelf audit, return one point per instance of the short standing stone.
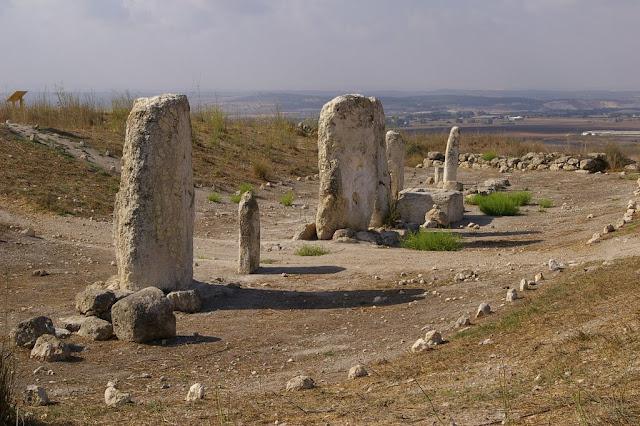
(483, 309)
(357, 371)
(27, 332)
(51, 349)
(35, 396)
(196, 392)
(95, 328)
(395, 161)
(300, 383)
(351, 155)
(154, 209)
(538, 278)
(451, 156)
(185, 301)
(249, 223)
(94, 301)
(512, 295)
(144, 316)
(524, 284)
(438, 174)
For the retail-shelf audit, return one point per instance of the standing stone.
(451, 156)
(154, 209)
(395, 161)
(249, 218)
(438, 174)
(350, 145)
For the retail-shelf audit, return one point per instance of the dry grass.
(44, 179)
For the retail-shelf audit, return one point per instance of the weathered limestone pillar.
(351, 162)
(395, 161)
(249, 223)
(438, 174)
(451, 156)
(154, 208)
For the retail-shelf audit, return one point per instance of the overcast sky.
(350, 45)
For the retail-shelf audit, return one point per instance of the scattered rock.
(27, 332)
(538, 278)
(196, 392)
(40, 273)
(93, 301)
(607, 229)
(463, 321)
(51, 349)
(307, 233)
(185, 301)
(144, 316)
(73, 323)
(596, 238)
(35, 396)
(114, 397)
(555, 265)
(95, 328)
(512, 295)
(62, 333)
(357, 371)
(28, 232)
(525, 284)
(465, 275)
(483, 310)
(433, 338)
(300, 383)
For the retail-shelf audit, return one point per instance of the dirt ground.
(298, 315)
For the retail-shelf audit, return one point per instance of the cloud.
(319, 44)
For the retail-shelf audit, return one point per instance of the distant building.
(515, 118)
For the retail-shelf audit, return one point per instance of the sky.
(348, 45)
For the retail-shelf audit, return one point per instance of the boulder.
(113, 397)
(50, 349)
(95, 328)
(357, 371)
(94, 301)
(185, 301)
(414, 203)
(73, 322)
(144, 316)
(35, 396)
(196, 392)
(27, 332)
(483, 310)
(300, 383)
(307, 233)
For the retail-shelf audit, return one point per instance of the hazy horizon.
(323, 45)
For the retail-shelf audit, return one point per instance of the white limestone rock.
(351, 154)
(154, 209)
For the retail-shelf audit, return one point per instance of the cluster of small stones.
(628, 217)
(554, 161)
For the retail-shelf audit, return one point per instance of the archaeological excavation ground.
(142, 287)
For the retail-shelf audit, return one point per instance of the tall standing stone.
(352, 165)
(249, 221)
(154, 209)
(451, 156)
(395, 161)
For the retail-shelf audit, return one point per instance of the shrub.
(261, 169)
(432, 241)
(615, 157)
(489, 155)
(473, 199)
(214, 197)
(287, 199)
(244, 187)
(309, 250)
(498, 204)
(545, 203)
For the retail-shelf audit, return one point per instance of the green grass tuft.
(545, 203)
(287, 199)
(489, 155)
(432, 241)
(214, 197)
(500, 203)
(244, 187)
(309, 250)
